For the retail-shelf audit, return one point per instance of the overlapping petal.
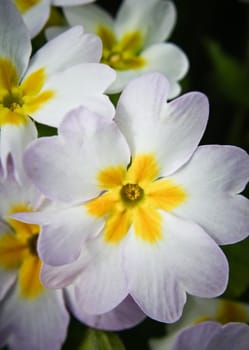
(64, 98)
(197, 337)
(36, 16)
(69, 235)
(72, 47)
(211, 335)
(199, 310)
(173, 129)
(125, 315)
(7, 281)
(90, 16)
(155, 20)
(168, 59)
(55, 277)
(189, 244)
(151, 282)
(230, 336)
(13, 140)
(27, 324)
(81, 182)
(102, 286)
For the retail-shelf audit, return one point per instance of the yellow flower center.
(25, 5)
(123, 54)
(18, 250)
(133, 197)
(17, 101)
(131, 193)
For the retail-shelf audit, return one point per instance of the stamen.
(12, 101)
(131, 193)
(114, 58)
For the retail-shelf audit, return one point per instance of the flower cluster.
(119, 215)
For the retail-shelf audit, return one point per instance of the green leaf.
(238, 258)
(114, 98)
(230, 76)
(99, 340)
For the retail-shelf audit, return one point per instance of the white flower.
(133, 43)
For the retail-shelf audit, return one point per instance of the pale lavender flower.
(147, 207)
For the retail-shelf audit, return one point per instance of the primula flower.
(51, 83)
(148, 207)
(35, 13)
(211, 335)
(32, 316)
(133, 42)
(199, 310)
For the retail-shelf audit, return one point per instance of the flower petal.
(126, 315)
(140, 103)
(151, 282)
(197, 337)
(212, 178)
(101, 286)
(55, 277)
(85, 135)
(14, 139)
(14, 37)
(155, 19)
(211, 335)
(216, 168)
(168, 59)
(96, 77)
(174, 129)
(61, 240)
(7, 280)
(90, 16)
(231, 336)
(168, 267)
(209, 277)
(33, 324)
(36, 17)
(72, 47)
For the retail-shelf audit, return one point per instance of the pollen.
(122, 53)
(132, 192)
(114, 58)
